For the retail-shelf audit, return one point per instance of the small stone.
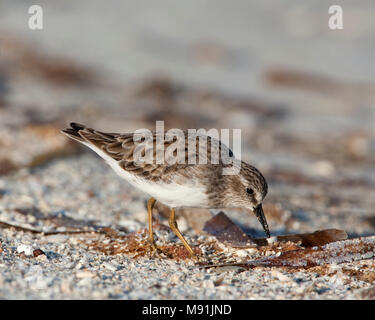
(272, 240)
(299, 290)
(65, 287)
(269, 253)
(42, 257)
(38, 252)
(78, 266)
(280, 276)
(174, 278)
(110, 266)
(26, 249)
(219, 281)
(208, 284)
(322, 168)
(242, 253)
(85, 274)
(84, 282)
(251, 250)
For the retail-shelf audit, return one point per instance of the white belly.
(190, 194)
(176, 195)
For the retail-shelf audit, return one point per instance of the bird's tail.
(73, 132)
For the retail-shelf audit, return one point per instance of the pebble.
(26, 249)
(174, 278)
(85, 274)
(42, 258)
(282, 277)
(38, 252)
(109, 266)
(322, 168)
(84, 282)
(208, 284)
(272, 240)
(242, 253)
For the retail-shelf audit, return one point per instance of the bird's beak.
(258, 211)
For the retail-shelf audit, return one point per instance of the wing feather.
(121, 148)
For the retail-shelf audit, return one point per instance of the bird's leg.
(174, 227)
(150, 205)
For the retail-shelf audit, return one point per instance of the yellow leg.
(150, 205)
(174, 227)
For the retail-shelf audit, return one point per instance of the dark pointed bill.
(258, 211)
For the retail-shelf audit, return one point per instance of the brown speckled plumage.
(121, 148)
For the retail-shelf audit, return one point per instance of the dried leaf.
(332, 253)
(317, 238)
(226, 231)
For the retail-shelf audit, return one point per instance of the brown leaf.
(332, 253)
(317, 238)
(226, 231)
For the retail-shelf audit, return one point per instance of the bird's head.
(247, 189)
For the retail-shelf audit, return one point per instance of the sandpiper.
(179, 184)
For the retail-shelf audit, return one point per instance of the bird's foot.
(154, 251)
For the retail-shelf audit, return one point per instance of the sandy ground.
(302, 94)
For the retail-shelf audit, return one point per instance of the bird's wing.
(127, 149)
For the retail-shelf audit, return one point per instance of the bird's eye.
(249, 191)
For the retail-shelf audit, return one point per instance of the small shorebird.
(179, 184)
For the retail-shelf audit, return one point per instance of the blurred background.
(303, 95)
